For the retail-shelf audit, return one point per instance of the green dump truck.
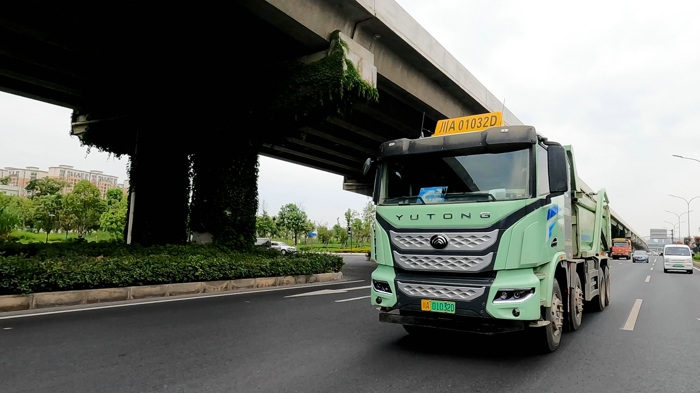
(485, 230)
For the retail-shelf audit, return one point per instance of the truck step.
(539, 324)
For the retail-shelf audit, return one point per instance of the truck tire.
(598, 302)
(575, 314)
(546, 339)
(607, 286)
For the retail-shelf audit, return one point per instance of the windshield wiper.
(477, 195)
(405, 200)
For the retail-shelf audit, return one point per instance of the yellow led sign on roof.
(468, 123)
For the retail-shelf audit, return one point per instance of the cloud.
(616, 80)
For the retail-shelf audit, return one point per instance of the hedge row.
(73, 266)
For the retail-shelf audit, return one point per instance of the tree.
(5, 180)
(9, 218)
(340, 234)
(113, 220)
(46, 213)
(45, 186)
(24, 208)
(293, 219)
(324, 234)
(114, 196)
(265, 225)
(349, 215)
(86, 205)
(308, 228)
(368, 214)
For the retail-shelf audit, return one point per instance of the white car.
(283, 248)
(677, 257)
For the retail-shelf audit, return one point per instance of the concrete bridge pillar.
(159, 189)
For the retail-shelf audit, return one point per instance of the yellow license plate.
(437, 306)
(468, 123)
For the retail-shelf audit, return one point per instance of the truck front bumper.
(474, 297)
(462, 324)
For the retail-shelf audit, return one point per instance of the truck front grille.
(445, 292)
(445, 263)
(472, 241)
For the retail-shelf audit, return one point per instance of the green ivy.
(225, 194)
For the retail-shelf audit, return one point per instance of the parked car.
(263, 242)
(283, 248)
(677, 257)
(640, 256)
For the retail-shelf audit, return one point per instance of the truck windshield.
(620, 244)
(436, 178)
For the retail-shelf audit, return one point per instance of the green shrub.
(74, 265)
(363, 250)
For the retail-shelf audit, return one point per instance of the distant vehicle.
(677, 257)
(283, 248)
(263, 242)
(640, 256)
(622, 247)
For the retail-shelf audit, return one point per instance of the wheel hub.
(578, 299)
(557, 314)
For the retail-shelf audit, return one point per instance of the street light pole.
(679, 220)
(673, 226)
(686, 158)
(688, 203)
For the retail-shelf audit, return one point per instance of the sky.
(619, 81)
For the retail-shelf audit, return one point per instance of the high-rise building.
(20, 177)
(72, 176)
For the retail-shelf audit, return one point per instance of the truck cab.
(475, 231)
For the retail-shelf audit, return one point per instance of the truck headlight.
(381, 286)
(513, 295)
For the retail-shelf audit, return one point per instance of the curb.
(41, 300)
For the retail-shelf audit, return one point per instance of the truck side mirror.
(367, 166)
(556, 164)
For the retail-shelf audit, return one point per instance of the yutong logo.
(445, 216)
(439, 241)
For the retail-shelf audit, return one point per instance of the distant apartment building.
(9, 190)
(20, 177)
(124, 187)
(72, 176)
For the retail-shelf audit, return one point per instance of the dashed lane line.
(648, 279)
(351, 299)
(634, 314)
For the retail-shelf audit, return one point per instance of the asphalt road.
(333, 342)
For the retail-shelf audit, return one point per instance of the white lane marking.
(327, 292)
(351, 299)
(696, 269)
(205, 296)
(652, 268)
(648, 278)
(632, 319)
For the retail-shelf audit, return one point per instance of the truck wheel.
(598, 302)
(576, 301)
(607, 286)
(546, 339)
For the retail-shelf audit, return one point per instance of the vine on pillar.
(225, 194)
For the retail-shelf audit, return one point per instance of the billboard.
(659, 234)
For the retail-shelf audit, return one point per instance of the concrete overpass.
(111, 66)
